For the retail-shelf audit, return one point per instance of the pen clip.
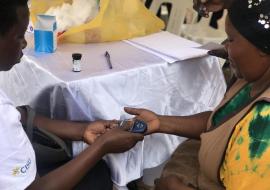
(108, 58)
(107, 54)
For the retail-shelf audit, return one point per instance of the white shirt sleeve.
(17, 157)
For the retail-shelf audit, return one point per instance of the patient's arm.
(187, 126)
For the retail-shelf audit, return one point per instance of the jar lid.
(77, 56)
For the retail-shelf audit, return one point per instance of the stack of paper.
(168, 46)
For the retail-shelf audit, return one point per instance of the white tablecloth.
(138, 79)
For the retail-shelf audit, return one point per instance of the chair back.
(203, 33)
(177, 15)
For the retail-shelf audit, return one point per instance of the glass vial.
(76, 62)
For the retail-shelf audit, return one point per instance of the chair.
(201, 31)
(182, 22)
(177, 15)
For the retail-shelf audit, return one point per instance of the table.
(138, 79)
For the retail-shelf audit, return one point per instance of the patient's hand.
(147, 116)
(221, 53)
(96, 129)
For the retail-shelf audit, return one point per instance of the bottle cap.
(76, 56)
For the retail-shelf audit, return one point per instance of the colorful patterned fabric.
(247, 160)
(240, 99)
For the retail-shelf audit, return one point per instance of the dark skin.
(13, 42)
(220, 52)
(74, 131)
(68, 175)
(191, 126)
(247, 62)
(102, 135)
(205, 6)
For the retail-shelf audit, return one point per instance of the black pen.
(108, 58)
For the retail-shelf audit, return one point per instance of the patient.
(232, 147)
(18, 162)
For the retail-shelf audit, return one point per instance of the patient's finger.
(133, 111)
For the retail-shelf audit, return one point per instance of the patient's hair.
(8, 14)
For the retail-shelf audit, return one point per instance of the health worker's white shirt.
(17, 157)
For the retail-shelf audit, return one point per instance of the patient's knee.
(171, 182)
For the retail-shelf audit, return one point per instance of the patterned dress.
(246, 164)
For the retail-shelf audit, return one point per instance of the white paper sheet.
(211, 46)
(160, 55)
(169, 47)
